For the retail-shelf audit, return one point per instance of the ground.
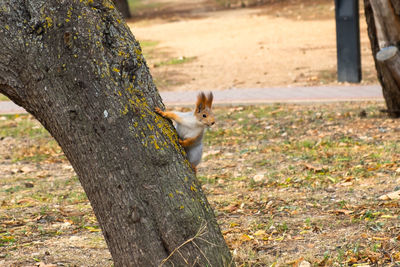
(288, 183)
(281, 43)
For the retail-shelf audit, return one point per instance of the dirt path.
(248, 48)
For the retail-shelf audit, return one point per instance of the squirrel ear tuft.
(209, 99)
(201, 102)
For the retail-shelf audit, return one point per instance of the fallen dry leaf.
(380, 238)
(391, 196)
(314, 168)
(342, 211)
(258, 178)
(346, 184)
(26, 200)
(245, 237)
(305, 264)
(42, 264)
(259, 233)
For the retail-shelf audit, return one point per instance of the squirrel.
(190, 126)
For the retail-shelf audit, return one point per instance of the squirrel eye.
(204, 116)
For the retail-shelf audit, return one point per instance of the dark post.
(348, 41)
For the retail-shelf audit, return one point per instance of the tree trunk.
(74, 66)
(123, 7)
(383, 31)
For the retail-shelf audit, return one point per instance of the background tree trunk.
(81, 73)
(383, 29)
(123, 7)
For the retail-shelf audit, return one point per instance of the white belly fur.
(190, 128)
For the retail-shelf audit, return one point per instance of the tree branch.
(391, 57)
(386, 22)
(396, 6)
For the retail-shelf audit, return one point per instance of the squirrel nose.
(212, 123)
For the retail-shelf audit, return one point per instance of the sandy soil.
(267, 46)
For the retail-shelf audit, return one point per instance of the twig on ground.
(202, 230)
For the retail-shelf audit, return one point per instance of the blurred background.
(223, 44)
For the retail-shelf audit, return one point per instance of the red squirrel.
(190, 126)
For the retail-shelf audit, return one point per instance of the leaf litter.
(291, 185)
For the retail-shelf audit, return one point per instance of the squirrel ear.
(209, 99)
(201, 102)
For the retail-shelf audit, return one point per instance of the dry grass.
(287, 183)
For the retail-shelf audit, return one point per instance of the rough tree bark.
(79, 70)
(384, 33)
(123, 7)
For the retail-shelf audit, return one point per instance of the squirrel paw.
(159, 111)
(194, 168)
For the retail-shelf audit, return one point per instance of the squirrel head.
(203, 110)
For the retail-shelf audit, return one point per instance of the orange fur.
(209, 100)
(203, 110)
(188, 141)
(201, 102)
(169, 115)
(202, 117)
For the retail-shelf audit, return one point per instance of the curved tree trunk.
(81, 73)
(123, 7)
(383, 30)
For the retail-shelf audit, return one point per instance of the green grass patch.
(149, 49)
(35, 144)
(175, 61)
(146, 44)
(21, 126)
(138, 7)
(4, 98)
(6, 239)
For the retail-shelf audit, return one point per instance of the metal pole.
(348, 41)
